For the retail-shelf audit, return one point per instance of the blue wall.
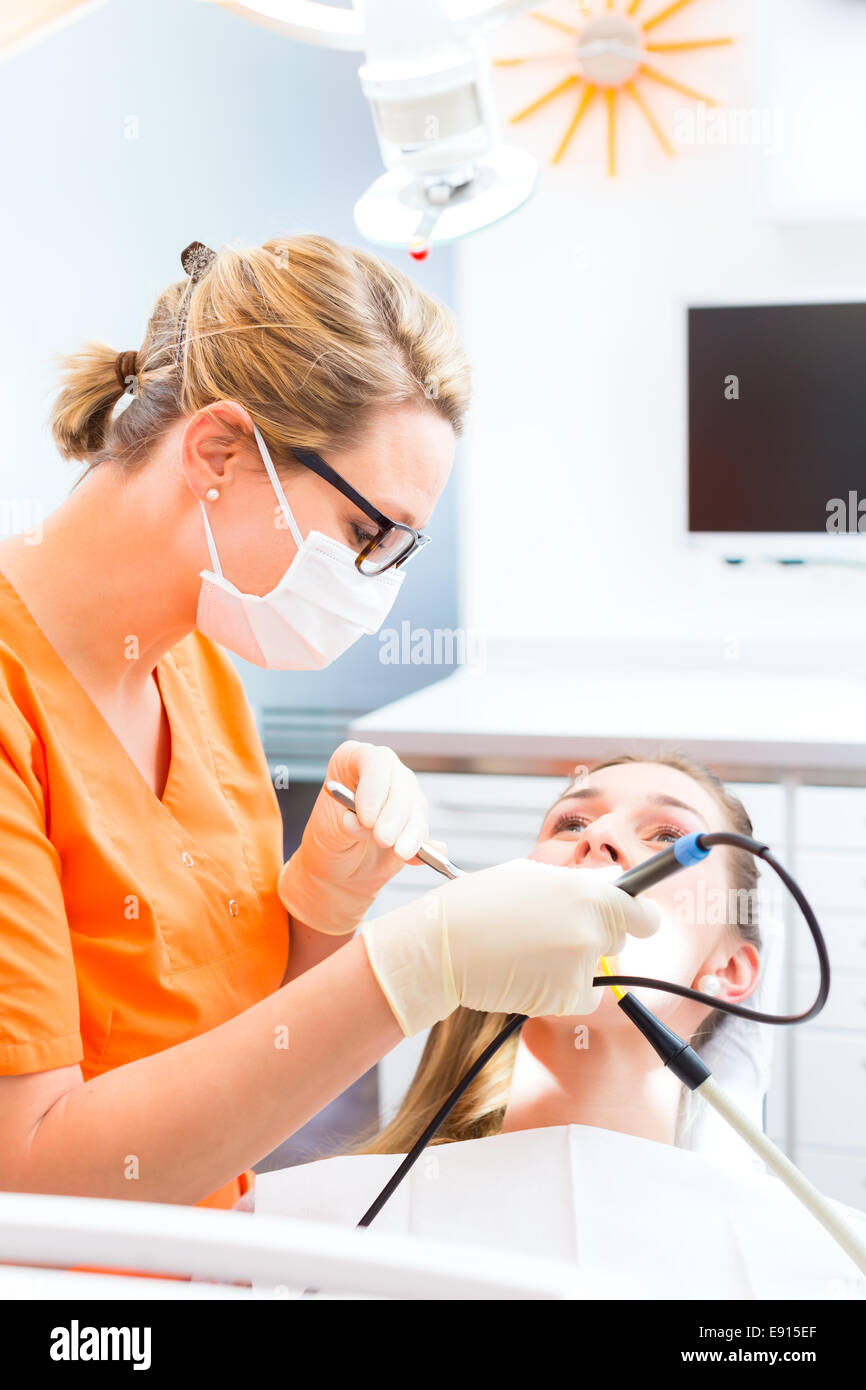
(143, 126)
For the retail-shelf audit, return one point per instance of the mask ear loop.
(278, 489)
(281, 498)
(211, 543)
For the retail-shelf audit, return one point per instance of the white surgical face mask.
(320, 607)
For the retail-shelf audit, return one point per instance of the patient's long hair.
(454, 1044)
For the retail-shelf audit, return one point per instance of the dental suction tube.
(689, 850)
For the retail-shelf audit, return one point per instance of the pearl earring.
(212, 494)
(710, 984)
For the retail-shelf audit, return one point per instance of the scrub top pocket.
(209, 913)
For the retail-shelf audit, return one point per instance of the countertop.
(751, 712)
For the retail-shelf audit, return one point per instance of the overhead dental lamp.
(427, 78)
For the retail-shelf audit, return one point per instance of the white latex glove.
(346, 858)
(523, 937)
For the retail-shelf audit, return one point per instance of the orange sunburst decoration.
(610, 50)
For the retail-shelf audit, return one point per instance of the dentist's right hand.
(523, 937)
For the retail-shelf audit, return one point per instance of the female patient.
(599, 1070)
(581, 1127)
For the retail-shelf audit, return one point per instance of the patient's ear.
(737, 968)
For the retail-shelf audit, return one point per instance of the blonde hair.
(453, 1045)
(308, 335)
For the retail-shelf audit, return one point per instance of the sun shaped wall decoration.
(612, 47)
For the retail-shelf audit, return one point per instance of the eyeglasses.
(394, 542)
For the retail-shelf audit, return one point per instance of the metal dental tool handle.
(433, 858)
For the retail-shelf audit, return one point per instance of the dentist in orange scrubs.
(176, 1001)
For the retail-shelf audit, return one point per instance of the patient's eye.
(668, 833)
(569, 823)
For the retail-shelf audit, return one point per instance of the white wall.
(574, 311)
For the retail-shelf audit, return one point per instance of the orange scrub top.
(128, 923)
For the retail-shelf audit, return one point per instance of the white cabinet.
(845, 935)
(830, 1074)
(828, 1097)
(816, 1106)
(831, 818)
(833, 879)
(846, 1007)
(840, 1175)
(765, 804)
(766, 807)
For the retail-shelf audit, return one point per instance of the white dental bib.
(673, 1224)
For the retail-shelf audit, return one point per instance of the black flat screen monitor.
(777, 429)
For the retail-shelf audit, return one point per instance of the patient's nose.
(599, 846)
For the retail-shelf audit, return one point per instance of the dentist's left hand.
(345, 859)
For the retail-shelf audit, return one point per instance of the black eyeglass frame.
(317, 465)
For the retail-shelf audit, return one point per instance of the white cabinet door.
(846, 1006)
(765, 804)
(828, 1056)
(833, 880)
(829, 1089)
(831, 818)
(842, 1176)
(845, 935)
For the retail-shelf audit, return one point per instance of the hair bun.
(196, 259)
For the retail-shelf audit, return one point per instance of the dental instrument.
(673, 1050)
(426, 853)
